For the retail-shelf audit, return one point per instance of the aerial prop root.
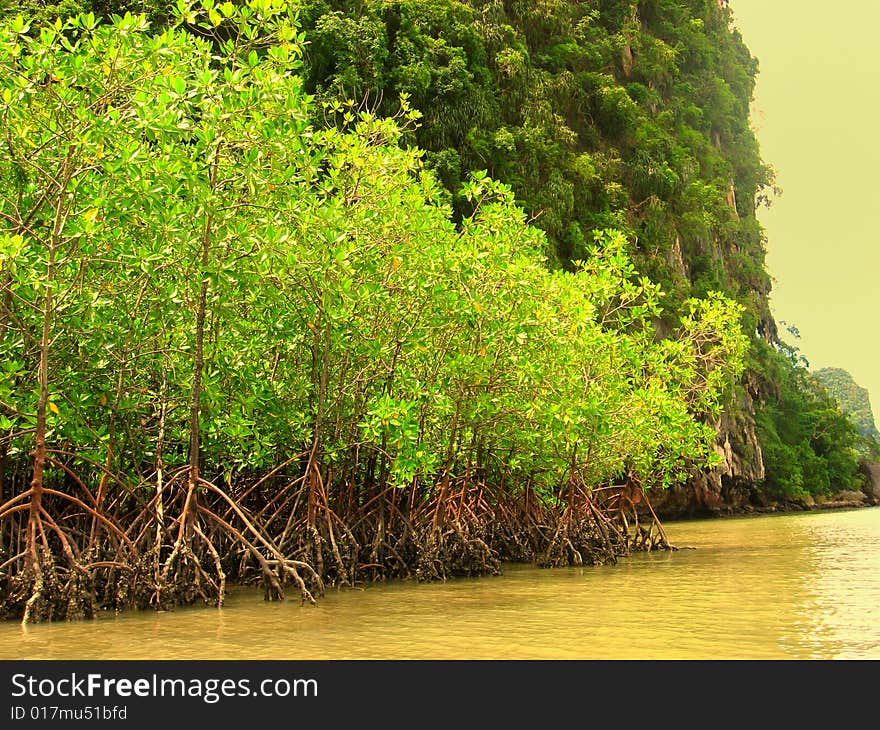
(54, 576)
(186, 560)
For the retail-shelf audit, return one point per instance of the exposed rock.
(733, 487)
(675, 259)
(730, 487)
(731, 198)
(850, 495)
(843, 500)
(871, 470)
(626, 59)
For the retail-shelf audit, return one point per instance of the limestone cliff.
(733, 485)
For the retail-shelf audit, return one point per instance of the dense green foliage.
(855, 402)
(624, 115)
(809, 445)
(234, 342)
(599, 114)
(631, 115)
(42, 12)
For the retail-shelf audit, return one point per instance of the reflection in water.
(770, 587)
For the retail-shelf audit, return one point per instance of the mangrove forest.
(317, 294)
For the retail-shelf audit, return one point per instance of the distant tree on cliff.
(809, 445)
(854, 400)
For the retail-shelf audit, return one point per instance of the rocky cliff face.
(738, 484)
(871, 470)
(732, 486)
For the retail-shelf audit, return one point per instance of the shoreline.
(772, 508)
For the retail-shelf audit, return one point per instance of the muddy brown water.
(796, 586)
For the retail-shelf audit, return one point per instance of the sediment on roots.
(521, 528)
(452, 533)
(204, 537)
(454, 550)
(53, 564)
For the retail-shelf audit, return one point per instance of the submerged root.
(206, 543)
(331, 555)
(630, 510)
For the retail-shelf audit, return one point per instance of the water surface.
(799, 586)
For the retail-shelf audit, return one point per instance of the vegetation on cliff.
(606, 113)
(628, 115)
(855, 402)
(809, 444)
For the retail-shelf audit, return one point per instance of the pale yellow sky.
(816, 113)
